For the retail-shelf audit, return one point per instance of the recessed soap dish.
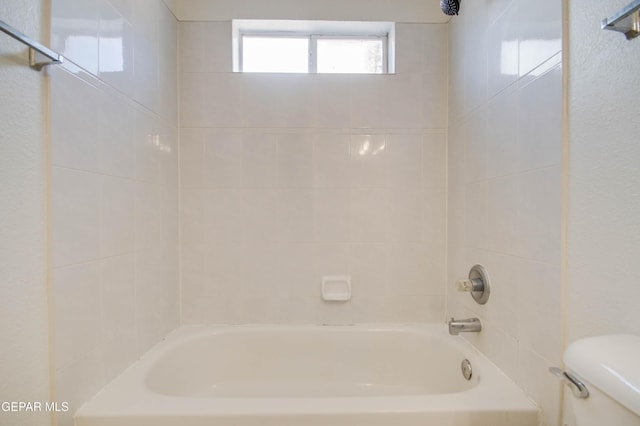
(336, 288)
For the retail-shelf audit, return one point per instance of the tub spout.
(464, 325)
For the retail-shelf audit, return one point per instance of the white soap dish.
(336, 288)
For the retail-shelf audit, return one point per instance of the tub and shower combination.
(310, 376)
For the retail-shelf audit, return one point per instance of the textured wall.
(604, 176)
(24, 359)
(505, 184)
(114, 201)
(286, 178)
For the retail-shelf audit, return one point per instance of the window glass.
(275, 54)
(360, 56)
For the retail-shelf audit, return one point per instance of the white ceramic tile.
(496, 8)
(434, 206)
(331, 259)
(117, 216)
(543, 388)
(404, 160)
(258, 276)
(540, 102)
(434, 160)
(76, 312)
(369, 210)
(456, 70)
(74, 30)
(456, 170)
(222, 161)
(224, 271)
(192, 215)
(503, 214)
(366, 95)
(147, 146)
(259, 161)
(76, 383)
(420, 48)
(331, 100)
(540, 215)
(540, 32)
(222, 102)
(116, 42)
(540, 297)
(125, 8)
(146, 69)
(148, 214)
(192, 283)
(223, 216)
(476, 146)
(293, 102)
(192, 158)
(369, 159)
(191, 47)
(369, 269)
(433, 104)
(205, 46)
(117, 130)
(75, 221)
(117, 307)
(75, 107)
(408, 270)
(296, 271)
(331, 163)
(259, 215)
(254, 96)
(475, 61)
(295, 160)
(295, 215)
(502, 50)
(192, 113)
(403, 110)
(502, 134)
(117, 354)
(505, 305)
(331, 214)
(405, 215)
(147, 301)
(411, 41)
(476, 212)
(168, 68)
(169, 161)
(500, 347)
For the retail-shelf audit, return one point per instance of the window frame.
(313, 38)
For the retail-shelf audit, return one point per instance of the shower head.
(450, 7)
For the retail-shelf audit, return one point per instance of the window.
(313, 47)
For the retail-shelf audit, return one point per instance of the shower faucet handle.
(464, 285)
(477, 284)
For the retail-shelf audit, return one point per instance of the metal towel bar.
(34, 47)
(626, 21)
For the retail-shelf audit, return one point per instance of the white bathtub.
(309, 376)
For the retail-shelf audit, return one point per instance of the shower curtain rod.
(626, 21)
(34, 47)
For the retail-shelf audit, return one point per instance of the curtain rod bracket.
(34, 48)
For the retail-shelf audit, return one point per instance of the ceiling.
(407, 11)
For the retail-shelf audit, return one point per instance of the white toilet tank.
(610, 368)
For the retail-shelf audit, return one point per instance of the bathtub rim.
(494, 390)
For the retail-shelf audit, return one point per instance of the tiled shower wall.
(505, 184)
(286, 178)
(114, 194)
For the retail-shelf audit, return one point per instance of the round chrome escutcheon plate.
(467, 372)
